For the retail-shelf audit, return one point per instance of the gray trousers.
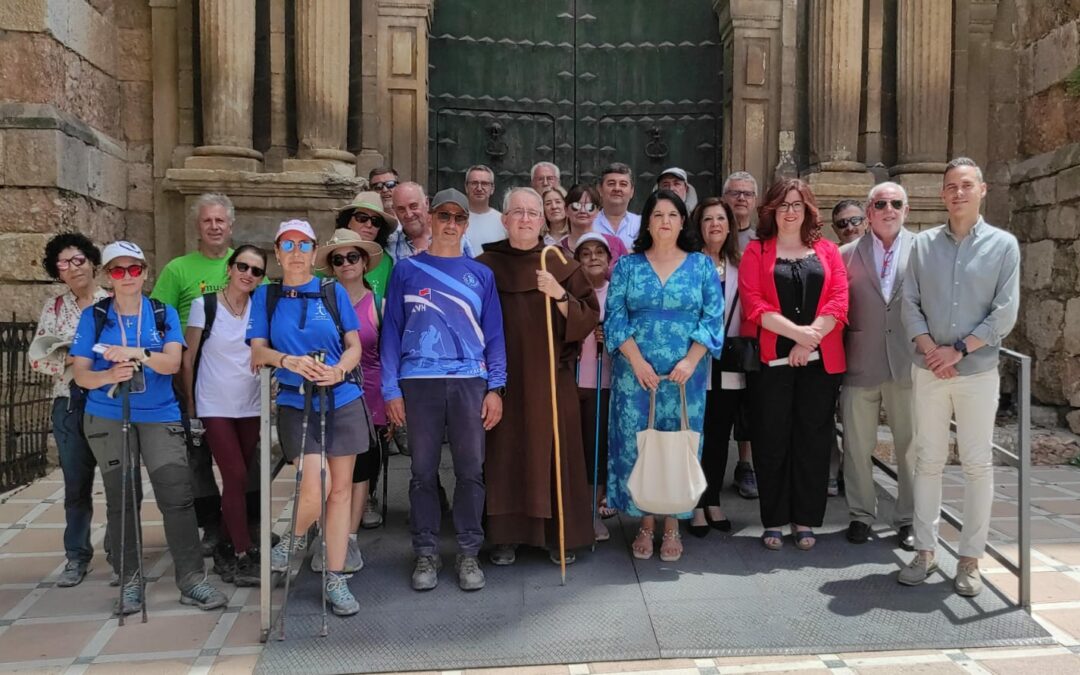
(163, 448)
(860, 409)
(453, 405)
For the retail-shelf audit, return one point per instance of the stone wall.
(1045, 202)
(75, 133)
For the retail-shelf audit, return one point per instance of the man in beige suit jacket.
(879, 358)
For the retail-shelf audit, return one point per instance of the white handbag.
(667, 476)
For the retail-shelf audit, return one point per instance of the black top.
(798, 285)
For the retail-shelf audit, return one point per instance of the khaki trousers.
(973, 399)
(860, 409)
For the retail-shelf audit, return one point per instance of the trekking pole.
(291, 534)
(321, 358)
(555, 411)
(125, 428)
(136, 476)
(385, 450)
(596, 445)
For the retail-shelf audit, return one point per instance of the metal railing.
(1021, 459)
(25, 409)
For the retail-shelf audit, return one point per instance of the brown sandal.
(644, 535)
(671, 540)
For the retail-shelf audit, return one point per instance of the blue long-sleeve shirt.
(442, 319)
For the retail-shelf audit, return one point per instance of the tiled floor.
(48, 629)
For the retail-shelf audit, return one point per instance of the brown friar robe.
(519, 469)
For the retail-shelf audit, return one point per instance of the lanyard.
(123, 330)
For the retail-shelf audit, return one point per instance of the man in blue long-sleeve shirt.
(444, 360)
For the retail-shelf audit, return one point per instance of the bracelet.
(565, 297)
(281, 363)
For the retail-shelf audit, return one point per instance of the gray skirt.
(347, 430)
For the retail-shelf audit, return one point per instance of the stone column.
(836, 28)
(322, 87)
(923, 79)
(227, 58)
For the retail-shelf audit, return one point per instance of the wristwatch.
(961, 347)
(501, 391)
(145, 355)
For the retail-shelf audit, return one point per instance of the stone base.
(219, 163)
(368, 160)
(924, 197)
(832, 186)
(320, 166)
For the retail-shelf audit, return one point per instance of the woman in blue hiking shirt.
(131, 339)
(301, 325)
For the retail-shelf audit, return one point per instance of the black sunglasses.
(256, 272)
(897, 204)
(385, 185)
(337, 260)
(361, 217)
(845, 223)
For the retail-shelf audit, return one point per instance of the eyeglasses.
(790, 206)
(587, 208)
(897, 204)
(531, 214)
(479, 183)
(63, 264)
(745, 194)
(134, 271)
(289, 245)
(446, 217)
(256, 272)
(362, 217)
(845, 223)
(385, 185)
(352, 257)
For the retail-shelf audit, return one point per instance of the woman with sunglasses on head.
(226, 396)
(73, 259)
(583, 204)
(290, 326)
(365, 216)
(134, 340)
(556, 225)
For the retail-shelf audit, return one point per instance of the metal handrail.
(1022, 461)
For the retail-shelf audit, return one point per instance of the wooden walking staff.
(555, 409)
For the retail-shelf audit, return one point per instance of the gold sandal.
(671, 536)
(647, 535)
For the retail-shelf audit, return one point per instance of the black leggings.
(368, 464)
(722, 407)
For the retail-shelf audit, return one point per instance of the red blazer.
(757, 292)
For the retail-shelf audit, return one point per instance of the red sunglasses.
(134, 271)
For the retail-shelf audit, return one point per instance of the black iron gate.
(25, 409)
(580, 83)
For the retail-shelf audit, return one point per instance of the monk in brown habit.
(519, 468)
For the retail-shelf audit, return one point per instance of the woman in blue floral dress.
(664, 313)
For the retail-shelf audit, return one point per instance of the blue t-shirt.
(442, 319)
(158, 402)
(319, 333)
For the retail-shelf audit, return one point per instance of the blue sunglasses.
(288, 246)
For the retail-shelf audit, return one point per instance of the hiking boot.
(920, 567)
(968, 581)
(503, 554)
(372, 517)
(354, 561)
(131, 599)
(210, 538)
(73, 574)
(204, 596)
(746, 480)
(279, 555)
(425, 575)
(247, 568)
(224, 562)
(339, 596)
(469, 575)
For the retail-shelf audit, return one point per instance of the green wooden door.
(578, 82)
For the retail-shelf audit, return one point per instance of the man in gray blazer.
(879, 358)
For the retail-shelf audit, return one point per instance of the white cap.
(592, 236)
(295, 225)
(673, 171)
(121, 249)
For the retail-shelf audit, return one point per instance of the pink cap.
(295, 225)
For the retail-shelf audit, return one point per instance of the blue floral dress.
(664, 320)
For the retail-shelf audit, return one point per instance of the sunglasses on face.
(74, 261)
(134, 271)
(845, 223)
(446, 217)
(362, 217)
(288, 246)
(385, 185)
(897, 204)
(587, 208)
(256, 272)
(352, 257)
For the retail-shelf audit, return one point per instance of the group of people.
(424, 313)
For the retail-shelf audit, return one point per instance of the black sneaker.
(224, 562)
(247, 568)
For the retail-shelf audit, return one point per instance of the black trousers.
(792, 420)
(587, 401)
(722, 408)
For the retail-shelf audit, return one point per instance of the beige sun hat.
(345, 238)
(371, 203)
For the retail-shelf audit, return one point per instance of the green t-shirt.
(188, 277)
(378, 277)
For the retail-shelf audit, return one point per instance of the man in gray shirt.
(961, 295)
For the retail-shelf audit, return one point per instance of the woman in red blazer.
(794, 292)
